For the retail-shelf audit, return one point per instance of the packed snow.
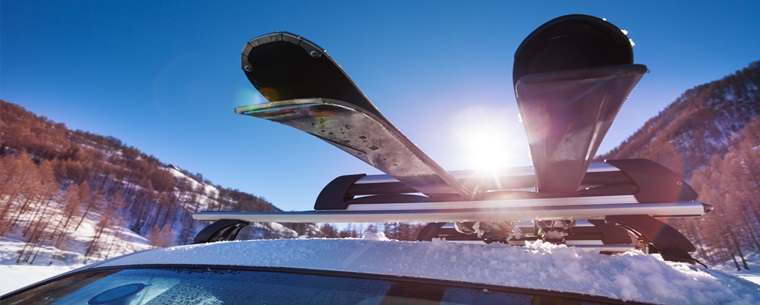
(630, 276)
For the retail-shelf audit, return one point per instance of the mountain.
(70, 196)
(703, 122)
(711, 135)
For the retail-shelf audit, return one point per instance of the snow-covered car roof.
(631, 276)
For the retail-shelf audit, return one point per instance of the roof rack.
(618, 198)
(568, 91)
(608, 182)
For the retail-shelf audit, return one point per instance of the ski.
(571, 76)
(307, 90)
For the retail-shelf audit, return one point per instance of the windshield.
(154, 286)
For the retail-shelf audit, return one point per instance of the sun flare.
(486, 139)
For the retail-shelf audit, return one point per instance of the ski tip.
(244, 109)
(572, 42)
(312, 48)
(274, 44)
(267, 110)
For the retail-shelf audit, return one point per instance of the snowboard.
(571, 76)
(308, 91)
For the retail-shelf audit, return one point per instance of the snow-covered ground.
(752, 275)
(119, 241)
(117, 238)
(16, 276)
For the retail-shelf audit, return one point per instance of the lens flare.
(486, 138)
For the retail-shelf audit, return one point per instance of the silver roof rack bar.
(597, 211)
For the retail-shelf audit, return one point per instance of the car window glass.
(203, 286)
(181, 286)
(455, 296)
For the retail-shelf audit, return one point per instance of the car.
(569, 230)
(381, 271)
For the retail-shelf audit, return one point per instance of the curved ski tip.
(244, 109)
(572, 42)
(282, 36)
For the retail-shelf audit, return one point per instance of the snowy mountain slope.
(701, 123)
(76, 248)
(69, 196)
(710, 136)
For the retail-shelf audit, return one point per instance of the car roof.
(632, 276)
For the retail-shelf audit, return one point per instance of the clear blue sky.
(164, 76)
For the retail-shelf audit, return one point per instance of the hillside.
(69, 196)
(703, 122)
(711, 135)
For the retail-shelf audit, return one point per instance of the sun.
(485, 148)
(485, 151)
(485, 139)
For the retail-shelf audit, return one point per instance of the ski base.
(366, 136)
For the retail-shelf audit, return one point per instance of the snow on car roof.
(630, 276)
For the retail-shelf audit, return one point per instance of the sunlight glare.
(248, 96)
(486, 138)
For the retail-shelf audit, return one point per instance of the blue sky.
(164, 76)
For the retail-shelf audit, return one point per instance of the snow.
(630, 276)
(16, 276)
(115, 240)
(369, 235)
(729, 95)
(208, 190)
(266, 230)
(752, 275)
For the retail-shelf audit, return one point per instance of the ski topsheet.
(571, 76)
(307, 90)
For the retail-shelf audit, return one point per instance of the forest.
(711, 136)
(78, 196)
(52, 179)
